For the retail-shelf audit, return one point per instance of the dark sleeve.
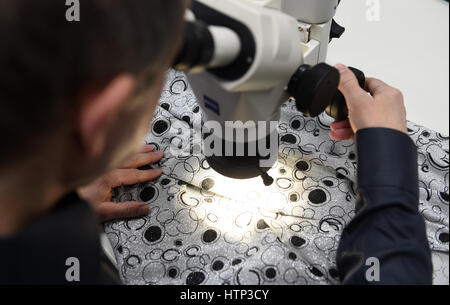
(387, 225)
(39, 253)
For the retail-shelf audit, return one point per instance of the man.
(76, 100)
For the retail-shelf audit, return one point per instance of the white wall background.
(408, 48)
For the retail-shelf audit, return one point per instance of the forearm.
(387, 225)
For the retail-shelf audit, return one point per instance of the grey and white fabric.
(207, 229)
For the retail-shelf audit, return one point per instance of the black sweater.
(387, 225)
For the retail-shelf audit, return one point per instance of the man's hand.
(98, 193)
(384, 106)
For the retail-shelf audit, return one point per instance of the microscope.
(244, 59)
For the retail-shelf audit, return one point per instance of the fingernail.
(144, 210)
(341, 67)
(160, 153)
(147, 149)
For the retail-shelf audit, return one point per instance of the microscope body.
(247, 56)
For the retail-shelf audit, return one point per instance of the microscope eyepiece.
(198, 47)
(207, 47)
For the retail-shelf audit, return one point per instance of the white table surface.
(407, 48)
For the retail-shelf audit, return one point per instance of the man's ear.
(99, 110)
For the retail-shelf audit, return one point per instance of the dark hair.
(45, 60)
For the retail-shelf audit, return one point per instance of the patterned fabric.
(208, 229)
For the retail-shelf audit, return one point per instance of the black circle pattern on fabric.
(317, 196)
(153, 234)
(209, 236)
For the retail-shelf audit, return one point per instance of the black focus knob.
(336, 30)
(338, 107)
(314, 88)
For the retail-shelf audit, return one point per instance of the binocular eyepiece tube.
(207, 47)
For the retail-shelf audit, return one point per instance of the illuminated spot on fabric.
(244, 220)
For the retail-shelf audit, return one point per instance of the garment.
(207, 229)
(387, 225)
(39, 253)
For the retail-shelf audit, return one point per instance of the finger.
(342, 134)
(349, 86)
(132, 176)
(146, 148)
(112, 210)
(340, 125)
(139, 160)
(376, 86)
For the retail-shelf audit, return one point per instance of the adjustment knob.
(336, 30)
(338, 107)
(314, 88)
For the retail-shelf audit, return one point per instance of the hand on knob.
(383, 107)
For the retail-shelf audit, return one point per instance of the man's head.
(82, 93)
